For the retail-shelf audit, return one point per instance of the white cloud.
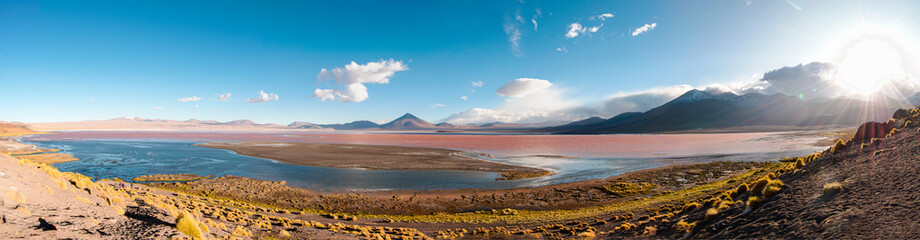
(353, 77)
(604, 16)
(514, 37)
(438, 105)
(263, 97)
(522, 87)
(574, 30)
(562, 49)
(476, 84)
(158, 108)
(464, 98)
(92, 99)
(484, 115)
(190, 99)
(594, 28)
(533, 19)
(223, 97)
(196, 106)
(644, 28)
(529, 100)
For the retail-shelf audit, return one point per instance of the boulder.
(871, 130)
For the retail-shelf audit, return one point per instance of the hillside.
(697, 109)
(14, 129)
(864, 188)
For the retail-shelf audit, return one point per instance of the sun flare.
(868, 64)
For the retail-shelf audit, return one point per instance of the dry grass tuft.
(772, 188)
(840, 145)
(187, 224)
(710, 214)
(241, 231)
(587, 235)
(831, 189)
(758, 186)
(753, 201)
(691, 206)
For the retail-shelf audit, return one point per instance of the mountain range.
(698, 109)
(694, 110)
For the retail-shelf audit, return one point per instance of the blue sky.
(74, 60)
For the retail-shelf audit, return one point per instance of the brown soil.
(377, 157)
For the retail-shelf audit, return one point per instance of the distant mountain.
(445, 125)
(304, 125)
(240, 122)
(352, 125)
(697, 109)
(407, 122)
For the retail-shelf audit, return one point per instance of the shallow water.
(129, 158)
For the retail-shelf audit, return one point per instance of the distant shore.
(374, 157)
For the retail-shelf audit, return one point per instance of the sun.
(868, 64)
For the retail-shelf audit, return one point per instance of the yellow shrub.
(758, 186)
(690, 206)
(772, 188)
(831, 189)
(187, 224)
(241, 231)
(753, 201)
(284, 233)
(204, 228)
(118, 210)
(587, 235)
(711, 213)
(741, 188)
(840, 145)
(685, 226)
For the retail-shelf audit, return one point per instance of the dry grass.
(187, 224)
(710, 214)
(684, 226)
(831, 189)
(753, 201)
(772, 188)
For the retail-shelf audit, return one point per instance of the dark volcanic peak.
(407, 122)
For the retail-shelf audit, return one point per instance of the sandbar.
(374, 157)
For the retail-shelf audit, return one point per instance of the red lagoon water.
(593, 146)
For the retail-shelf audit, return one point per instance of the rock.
(900, 113)
(871, 130)
(44, 225)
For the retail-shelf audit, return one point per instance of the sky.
(458, 61)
